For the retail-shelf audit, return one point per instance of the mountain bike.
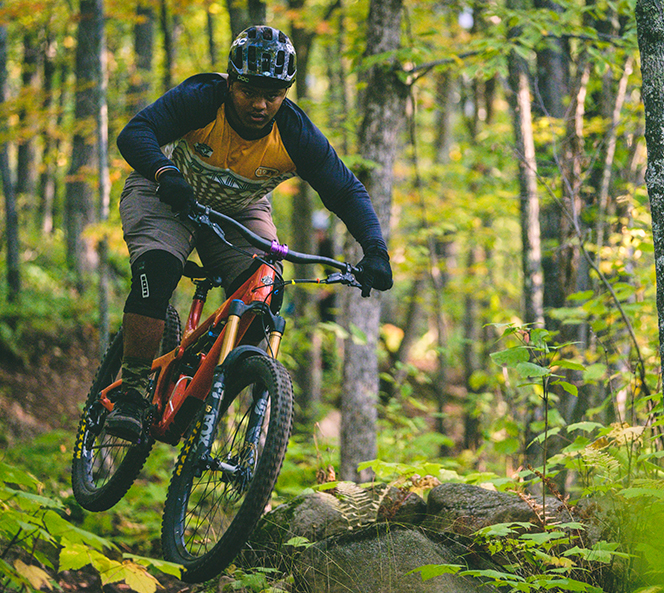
(217, 387)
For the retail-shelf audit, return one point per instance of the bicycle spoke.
(223, 482)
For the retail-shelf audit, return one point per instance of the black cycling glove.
(374, 271)
(176, 192)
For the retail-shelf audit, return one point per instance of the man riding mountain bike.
(225, 141)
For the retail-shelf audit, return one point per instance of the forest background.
(503, 144)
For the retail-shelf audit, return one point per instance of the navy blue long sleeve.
(196, 103)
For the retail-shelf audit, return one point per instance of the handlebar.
(205, 216)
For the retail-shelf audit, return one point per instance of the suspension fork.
(277, 332)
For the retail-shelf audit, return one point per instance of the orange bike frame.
(170, 392)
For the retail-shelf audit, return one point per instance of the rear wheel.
(104, 467)
(227, 469)
(172, 331)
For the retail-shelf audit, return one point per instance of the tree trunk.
(104, 185)
(309, 372)
(383, 108)
(650, 31)
(551, 89)
(170, 29)
(212, 40)
(79, 198)
(11, 217)
(530, 229)
(49, 158)
(244, 14)
(552, 81)
(26, 168)
(138, 95)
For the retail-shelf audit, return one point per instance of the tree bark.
(383, 108)
(49, 157)
(26, 168)
(104, 181)
(650, 31)
(170, 29)
(11, 216)
(79, 195)
(139, 88)
(533, 289)
(552, 81)
(307, 375)
(244, 14)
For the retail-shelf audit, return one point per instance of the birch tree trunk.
(533, 283)
(383, 109)
(104, 181)
(46, 193)
(650, 31)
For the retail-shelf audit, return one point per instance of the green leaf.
(642, 492)
(570, 364)
(529, 369)
(543, 537)
(12, 475)
(299, 542)
(429, 571)
(76, 556)
(59, 527)
(325, 486)
(358, 336)
(585, 426)
(569, 387)
(161, 565)
(502, 529)
(511, 357)
(594, 372)
(134, 575)
(540, 438)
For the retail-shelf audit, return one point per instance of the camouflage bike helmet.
(262, 56)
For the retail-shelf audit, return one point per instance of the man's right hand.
(176, 192)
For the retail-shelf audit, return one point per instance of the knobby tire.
(210, 512)
(104, 467)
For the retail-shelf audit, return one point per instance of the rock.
(402, 506)
(313, 516)
(464, 508)
(378, 558)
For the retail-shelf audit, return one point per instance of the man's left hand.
(375, 271)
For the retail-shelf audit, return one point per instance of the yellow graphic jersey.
(226, 171)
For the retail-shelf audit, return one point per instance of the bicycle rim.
(226, 472)
(104, 467)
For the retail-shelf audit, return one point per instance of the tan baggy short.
(149, 224)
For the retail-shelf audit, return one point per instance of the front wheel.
(227, 469)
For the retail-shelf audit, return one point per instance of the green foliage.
(260, 580)
(38, 540)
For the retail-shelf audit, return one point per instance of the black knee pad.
(154, 276)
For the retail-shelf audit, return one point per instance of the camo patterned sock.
(136, 373)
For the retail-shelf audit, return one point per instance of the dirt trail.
(46, 391)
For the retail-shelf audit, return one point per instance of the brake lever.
(346, 277)
(201, 216)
